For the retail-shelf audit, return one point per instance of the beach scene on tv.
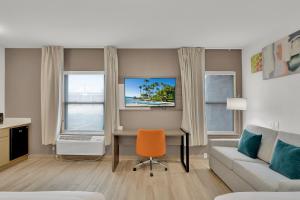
(151, 92)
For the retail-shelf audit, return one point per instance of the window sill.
(222, 135)
(100, 133)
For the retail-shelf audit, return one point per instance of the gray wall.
(84, 59)
(22, 83)
(151, 63)
(225, 60)
(22, 92)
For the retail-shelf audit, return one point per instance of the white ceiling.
(144, 23)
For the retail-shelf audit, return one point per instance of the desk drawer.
(132, 140)
(4, 133)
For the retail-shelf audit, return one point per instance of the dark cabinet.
(18, 142)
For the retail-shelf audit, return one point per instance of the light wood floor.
(40, 174)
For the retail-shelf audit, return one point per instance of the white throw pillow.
(290, 138)
(268, 141)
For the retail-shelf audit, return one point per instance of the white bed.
(260, 196)
(55, 195)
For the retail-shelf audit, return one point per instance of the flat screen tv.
(150, 92)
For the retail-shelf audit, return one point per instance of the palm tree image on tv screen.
(150, 92)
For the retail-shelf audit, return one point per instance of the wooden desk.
(184, 146)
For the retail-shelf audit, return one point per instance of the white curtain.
(51, 92)
(112, 119)
(192, 68)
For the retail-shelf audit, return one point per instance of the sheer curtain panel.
(192, 68)
(111, 119)
(51, 92)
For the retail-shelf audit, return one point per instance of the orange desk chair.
(152, 144)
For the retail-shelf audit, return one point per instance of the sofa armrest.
(289, 185)
(223, 142)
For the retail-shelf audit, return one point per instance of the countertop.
(15, 122)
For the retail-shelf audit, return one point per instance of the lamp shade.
(237, 104)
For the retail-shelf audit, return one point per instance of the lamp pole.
(237, 104)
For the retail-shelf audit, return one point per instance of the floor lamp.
(238, 105)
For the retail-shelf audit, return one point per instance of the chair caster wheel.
(166, 169)
(134, 169)
(151, 174)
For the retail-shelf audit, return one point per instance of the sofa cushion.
(258, 175)
(227, 155)
(286, 160)
(249, 144)
(267, 141)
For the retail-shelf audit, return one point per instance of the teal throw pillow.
(286, 160)
(249, 144)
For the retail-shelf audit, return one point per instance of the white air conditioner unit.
(80, 145)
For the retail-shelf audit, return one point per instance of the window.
(218, 87)
(83, 102)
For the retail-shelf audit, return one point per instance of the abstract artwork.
(282, 58)
(256, 63)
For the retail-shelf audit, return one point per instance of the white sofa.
(242, 173)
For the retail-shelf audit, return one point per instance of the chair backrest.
(151, 143)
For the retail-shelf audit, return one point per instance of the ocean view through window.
(83, 102)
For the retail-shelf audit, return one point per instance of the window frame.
(80, 132)
(223, 133)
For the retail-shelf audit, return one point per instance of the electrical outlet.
(53, 148)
